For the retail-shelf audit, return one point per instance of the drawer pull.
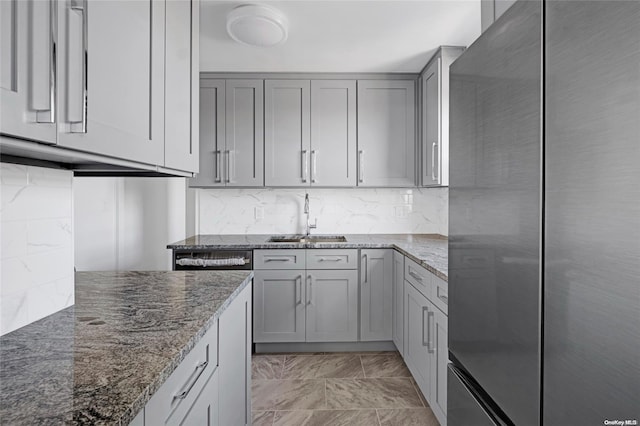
(443, 297)
(193, 378)
(329, 259)
(277, 259)
(414, 275)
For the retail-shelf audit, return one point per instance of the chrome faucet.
(306, 211)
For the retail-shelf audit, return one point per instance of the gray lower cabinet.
(212, 384)
(235, 361)
(287, 132)
(386, 133)
(332, 306)
(426, 348)
(398, 301)
(231, 133)
(376, 290)
(279, 306)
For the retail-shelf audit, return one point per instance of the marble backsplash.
(347, 210)
(36, 227)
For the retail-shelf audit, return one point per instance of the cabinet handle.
(313, 166)
(361, 166)
(80, 125)
(366, 267)
(433, 161)
(305, 166)
(276, 259)
(310, 279)
(430, 315)
(218, 165)
(329, 259)
(45, 109)
(443, 297)
(228, 172)
(194, 377)
(425, 309)
(299, 295)
(414, 275)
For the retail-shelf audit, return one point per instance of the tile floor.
(335, 389)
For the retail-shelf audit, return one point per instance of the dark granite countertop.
(428, 250)
(99, 361)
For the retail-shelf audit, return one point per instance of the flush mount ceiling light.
(257, 25)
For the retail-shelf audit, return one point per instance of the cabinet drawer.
(175, 397)
(279, 259)
(418, 276)
(332, 259)
(440, 294)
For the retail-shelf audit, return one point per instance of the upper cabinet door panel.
(27, 73)
(386, 133)
(431, 124)
(112, 99)
(181, 85)
(244, 152)
(287, 132)
(333, 133)
(212, 134)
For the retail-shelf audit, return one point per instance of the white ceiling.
(342, 36)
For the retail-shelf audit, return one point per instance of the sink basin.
(308, 239)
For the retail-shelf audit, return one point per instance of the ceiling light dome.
(257, 25)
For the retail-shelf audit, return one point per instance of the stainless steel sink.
(308, 239)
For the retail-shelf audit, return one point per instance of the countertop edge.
(139, 404)
(287, 246)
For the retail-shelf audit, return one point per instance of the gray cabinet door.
(244, 142)
(205, 410)
(333, 133)
(111, 99)
(287, 132)
(398, 301)
(279, 306)
(417, 339)
(27, 73)
(181, 84)
(431, 124)
(332, 306)
(212, 134)
(386, 133)
(235, 361)
(376, 289)
(439, 361)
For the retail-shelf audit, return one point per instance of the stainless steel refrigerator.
(544, 222)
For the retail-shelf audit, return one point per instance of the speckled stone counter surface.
(99, 361)
(428, 250)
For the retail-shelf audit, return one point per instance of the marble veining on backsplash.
(36, 220)
(344, 210)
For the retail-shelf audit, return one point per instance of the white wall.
(344, 211)
(126, 223)
(36, 227)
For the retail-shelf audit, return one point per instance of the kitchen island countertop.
(99, 361)
(428, 250)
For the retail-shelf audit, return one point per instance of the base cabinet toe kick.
(212, 384)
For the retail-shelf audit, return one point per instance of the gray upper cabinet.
(333, 133)
(376, 290)
(287, 132)
(332, 306)
(112, 99)
(434, 116)
(244, 143)
(212, 134)
(181, 85)
(386, 133)
(27, 74)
